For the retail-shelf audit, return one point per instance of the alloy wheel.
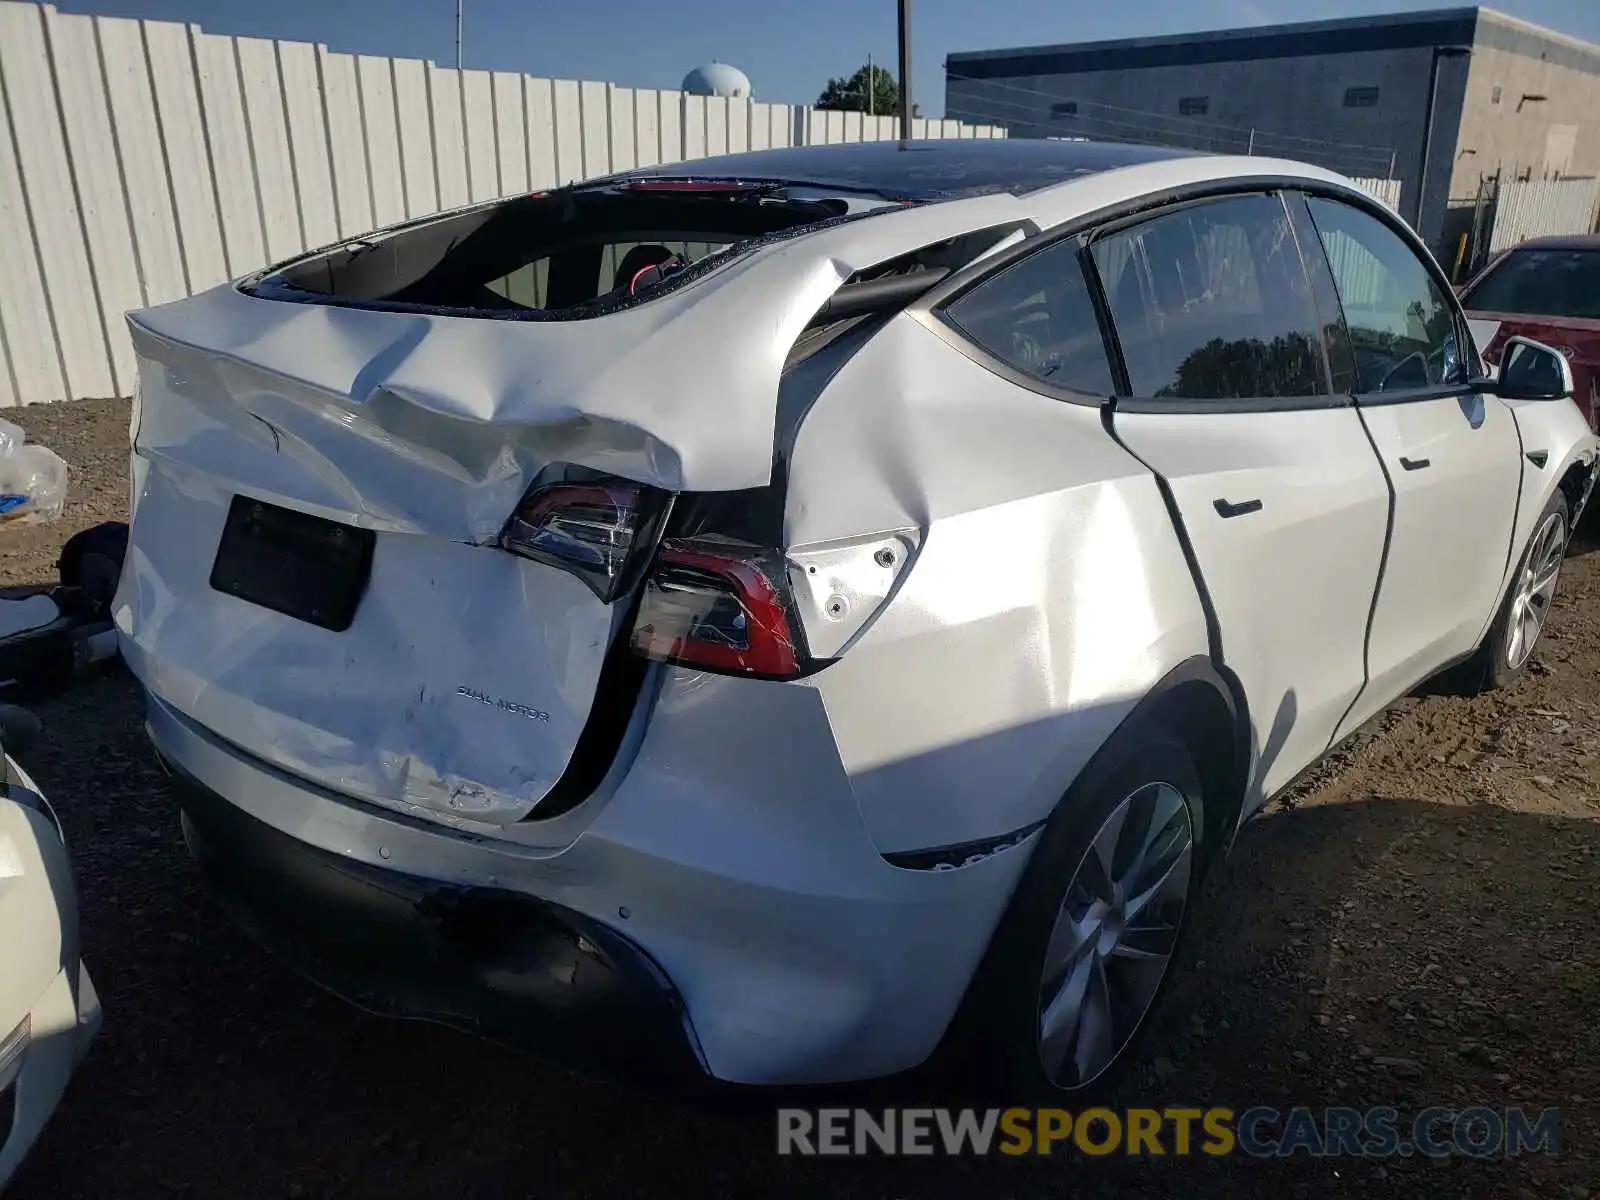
(1114, 935)
(1535, 589)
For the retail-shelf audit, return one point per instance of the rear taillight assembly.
(588, 529)
(720, 607)
(710, 601)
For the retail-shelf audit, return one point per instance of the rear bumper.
(497, 963)
(731, 887)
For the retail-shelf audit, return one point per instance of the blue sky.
(787, 47)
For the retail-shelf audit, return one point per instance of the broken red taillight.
(710, 602)
(718, 606)
(588, 529)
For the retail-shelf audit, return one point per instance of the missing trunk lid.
(564, 255)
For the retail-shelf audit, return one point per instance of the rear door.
(1228, 396)
(1452, 453)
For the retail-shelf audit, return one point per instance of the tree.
(1247, 367)
(851, 95)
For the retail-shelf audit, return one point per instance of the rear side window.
(1037, 318)
(1541, 283)
(1212, 303)
(1403, 332)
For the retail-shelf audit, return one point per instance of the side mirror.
(1530, 370)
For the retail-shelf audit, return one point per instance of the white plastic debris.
(33, 479)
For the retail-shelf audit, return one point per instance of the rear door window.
(1211, 303)
(1037, 317)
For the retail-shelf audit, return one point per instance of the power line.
(1371, 158)
(1195, 121)
(1115, 130)
(1240, 137)
(1139, 112)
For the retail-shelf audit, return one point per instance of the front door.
(1452, 454)
(1229, 399)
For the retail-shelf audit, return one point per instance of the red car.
(1547, 289)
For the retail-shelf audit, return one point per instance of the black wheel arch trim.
(1155, 711)
(1162, 708)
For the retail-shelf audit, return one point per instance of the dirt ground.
(1415, 926)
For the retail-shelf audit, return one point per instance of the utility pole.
(458, 33)
(872, 89)
(905, 73)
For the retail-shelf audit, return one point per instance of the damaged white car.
(774, 617)
(49, 1010)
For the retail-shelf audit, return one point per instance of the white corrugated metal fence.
(1385, 190)
(142, 161)
(1536, 207)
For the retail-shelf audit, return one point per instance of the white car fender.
(1555, 440)
(49, 1010)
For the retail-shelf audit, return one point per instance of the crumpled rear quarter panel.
(1049, 593)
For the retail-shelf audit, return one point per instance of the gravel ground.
(1413, 926)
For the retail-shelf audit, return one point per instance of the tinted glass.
(1403, 330)
(1335, 338)
(1541, 283)
(1037, 317)
(1212, 303)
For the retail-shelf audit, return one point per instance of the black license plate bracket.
(306, 567)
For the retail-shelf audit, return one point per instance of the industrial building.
(1471, 90)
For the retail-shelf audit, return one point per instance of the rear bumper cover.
(734, 878)
(497, 963)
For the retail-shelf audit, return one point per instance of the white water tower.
(717, 79)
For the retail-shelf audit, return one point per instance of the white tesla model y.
(774, 616)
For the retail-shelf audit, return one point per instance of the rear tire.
(1084, 951)
(1511, 640)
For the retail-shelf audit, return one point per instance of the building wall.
(143, 161)
(1500, 131)
(1283, 107)
(1294, 106)
(1288, 84)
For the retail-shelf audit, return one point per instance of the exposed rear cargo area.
(572, 253)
